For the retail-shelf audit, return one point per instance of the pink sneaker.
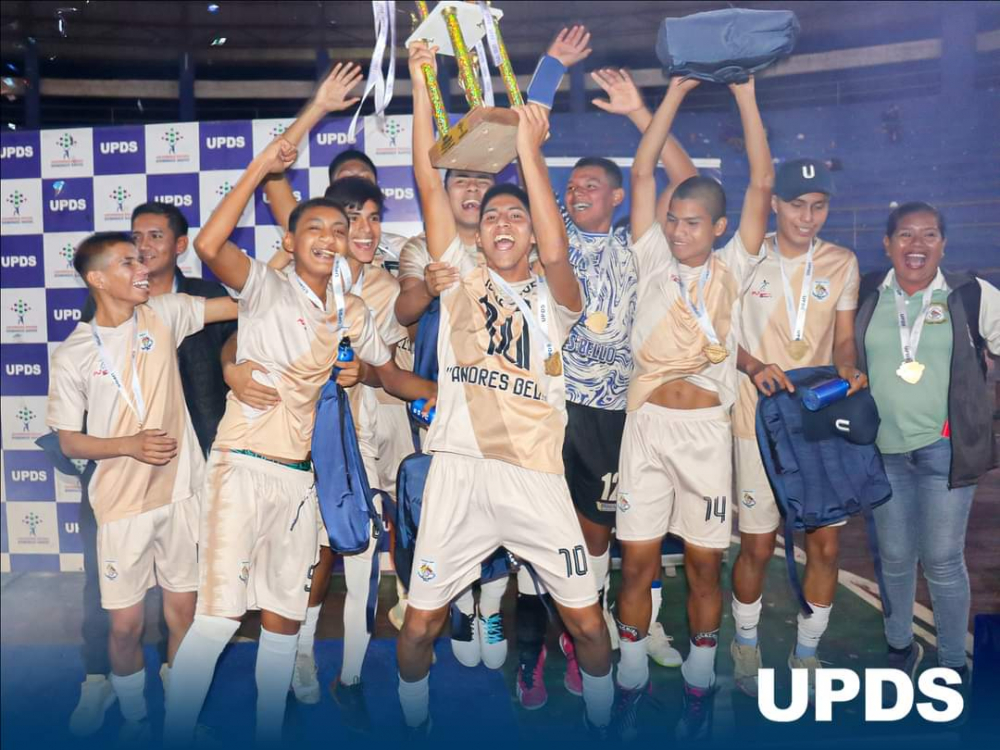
(573, 681)
(531, 691)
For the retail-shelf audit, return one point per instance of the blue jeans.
(926, 521)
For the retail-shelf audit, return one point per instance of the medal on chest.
(597, 322)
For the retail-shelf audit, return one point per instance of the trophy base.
(485, 140)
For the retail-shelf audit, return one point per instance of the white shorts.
(324, 535)
(395, 442)
(159, 546)
(472, 506)
(675, 476)
(756, 508)
(259, 537)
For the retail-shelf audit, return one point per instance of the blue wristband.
(545, 82)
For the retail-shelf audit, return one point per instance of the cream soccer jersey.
(667, 342)
(296, 341)
(80, 383)
(379, 290)
(765, 327)
(414, 257)
(494, 398)
(388, 251)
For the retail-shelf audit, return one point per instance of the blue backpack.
(819, 480)
(346, 500)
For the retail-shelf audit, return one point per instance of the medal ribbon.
(700, 312)
(385, 32)
(138, 405)
(797, 314)
(539, 328)
(909, 338)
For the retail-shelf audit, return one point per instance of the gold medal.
(911, 372)
(553, 365)
(597, 322)
(715, 353)
(797, 349)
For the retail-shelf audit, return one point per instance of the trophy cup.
(485, 140)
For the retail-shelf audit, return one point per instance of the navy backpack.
(346, 500)
(820, 479)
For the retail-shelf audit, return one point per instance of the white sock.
(490, 594)
(698, 669)
(131, 692)
(656, 594)
(598, 697)
(191, 676)
(811, 629)
(600, 566)
(747, 617)
(633, 669)
(415, 698)
(357, 571)
(466, 602)
(275, 664)
(307, 633)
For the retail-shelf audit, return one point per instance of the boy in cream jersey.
(119, 374)
(675, 472)
(798, 311)
(260, 522)
(497, 474)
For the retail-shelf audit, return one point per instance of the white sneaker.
(96, 697)
(492, 640)
(305, 684)
(809, 662)
(659, 648)
(609, 620)
(135, 734)
(465, 640)
(747, 662)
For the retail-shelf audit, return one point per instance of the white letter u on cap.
(808, 171)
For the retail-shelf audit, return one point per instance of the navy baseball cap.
(854, 418)
(801, 176)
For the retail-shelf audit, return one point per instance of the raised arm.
(757, 201)
(331, 96)
(546, 220)
(439, 222)
(653, 142)
(226, 260)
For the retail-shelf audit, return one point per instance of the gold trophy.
(485, 140)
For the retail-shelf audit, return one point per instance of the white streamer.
(384, 12)
(484, 73)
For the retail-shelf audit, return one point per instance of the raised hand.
(623, 95)
(332, 93)
(571, 46)
(421, 54)
(532, 128)
(746, 89)
(279, 155)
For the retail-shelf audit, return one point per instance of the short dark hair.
(449, 173)
(175, 219)
(91, 249)
(503, 188)
(913, 207)
(706, 191)
(356, 191)
(293, 219)
(351, 154)
(612, 170)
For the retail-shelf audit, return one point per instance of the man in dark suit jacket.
(160, 233)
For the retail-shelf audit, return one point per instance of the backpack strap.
(381, 542)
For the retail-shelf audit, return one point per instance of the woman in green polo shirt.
(921, 336)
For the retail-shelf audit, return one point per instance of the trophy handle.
(433, 87)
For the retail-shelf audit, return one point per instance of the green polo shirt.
(912, 415)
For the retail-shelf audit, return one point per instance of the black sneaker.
(696, 716)
(906, 659)
(353, 706)
(624, 713)
(594, 732)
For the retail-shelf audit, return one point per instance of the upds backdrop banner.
(59, 186)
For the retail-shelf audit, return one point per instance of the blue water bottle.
(417, 410)
(344, 353)
(825, 393)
